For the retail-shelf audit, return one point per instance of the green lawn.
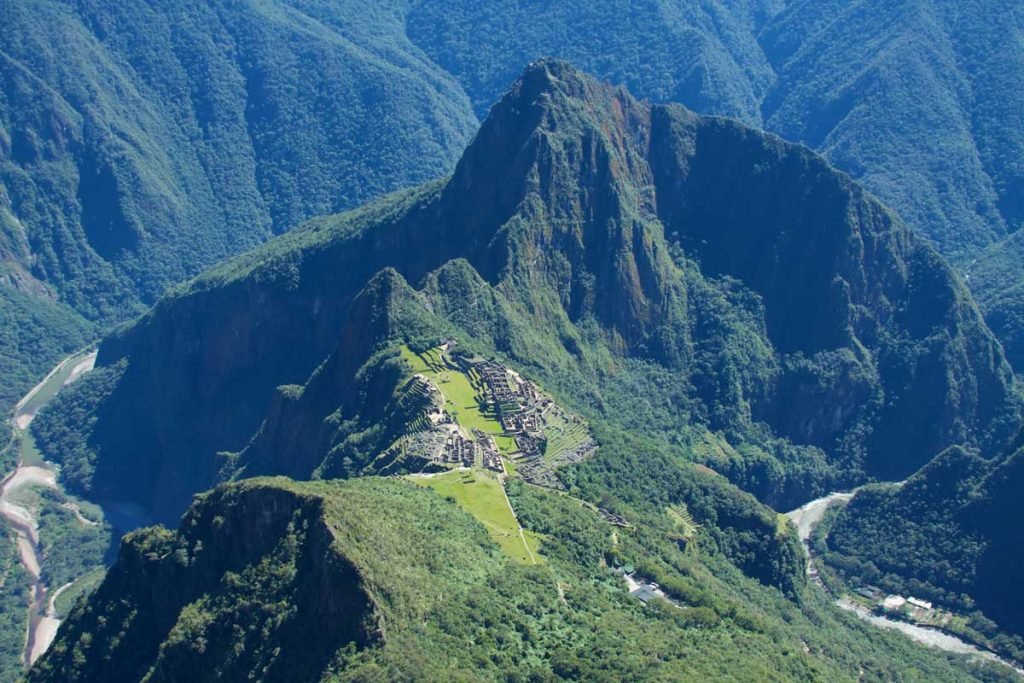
(461, 396)
(480, 494)
(415, 360)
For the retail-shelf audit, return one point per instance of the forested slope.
(142, 142)
(379, 580)
(670, 273)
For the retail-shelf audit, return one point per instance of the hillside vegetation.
(728, 295)
(142, 142)
(950, 534)
(382, 580)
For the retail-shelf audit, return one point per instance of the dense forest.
(949, 534)
(745, 321)
(816, 377)
(410, 587)
(790, 380)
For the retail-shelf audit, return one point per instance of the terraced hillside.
(157, 139)
(646, 265)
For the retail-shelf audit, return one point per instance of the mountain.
(706, 56)
(915, 99)
(142, 143)
(948, 534)
(381, 579)
(918, 101)
(996, 278)
(727, 294)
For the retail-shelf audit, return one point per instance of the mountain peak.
(551, 92)
(555, 76)
(600, 227)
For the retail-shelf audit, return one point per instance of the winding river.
(807, 516)
(42, 621)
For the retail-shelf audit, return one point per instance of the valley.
(20, 507)
(353, 428)
(806, 518)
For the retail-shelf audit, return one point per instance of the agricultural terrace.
(563, 435)
(463, 394)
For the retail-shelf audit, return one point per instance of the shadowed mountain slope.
(606, 241)
(161, 138)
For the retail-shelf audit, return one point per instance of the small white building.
(894, 602)
(917, 602)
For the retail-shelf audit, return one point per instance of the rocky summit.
(710, 320)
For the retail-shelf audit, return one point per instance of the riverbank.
(925, 635)
(807, 517)
(42, 621)
(26, 533)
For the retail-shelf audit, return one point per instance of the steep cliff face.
(355, 402)
(581, 230)
(841, 283)
(997, 282)
(382, 579)
(252, 584)
(994, 517)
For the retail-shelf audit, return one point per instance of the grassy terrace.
(461, 393)
(476, 491)
(562, 434)
(480, 494)
(680, 515)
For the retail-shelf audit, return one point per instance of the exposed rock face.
(585, 226)
(352, 407)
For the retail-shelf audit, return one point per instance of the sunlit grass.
(480, 494)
